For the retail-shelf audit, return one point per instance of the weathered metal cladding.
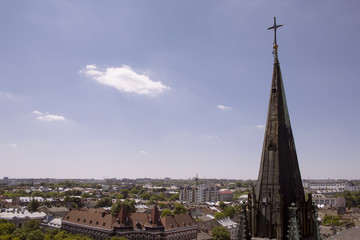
(279, 182)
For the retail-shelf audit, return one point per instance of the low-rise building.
(132, 226)
(328, 201)
(57, 212)
(19, 216)
(330, 184)
(226, 196)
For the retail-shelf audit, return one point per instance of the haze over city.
(131, 89)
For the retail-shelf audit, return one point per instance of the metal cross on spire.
(275, 27)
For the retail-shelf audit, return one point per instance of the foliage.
(104, 202)
(134, 191)
(352, 199)
(162, 205)
(129, 204)
(73, 193)
(32, 231)
(33, 205)
(331, 220)
(160, 189)
(180, 209)
(119, 196)
(160, 197)
(165, 212)
(73, 202)
(37, 194)
(220, 233)
(219, 215)
(124, 192)
(6, 227)
(230, 211)
(222, 205)
(85, 195)
(145, 196)
(174, 197)
(35, 235)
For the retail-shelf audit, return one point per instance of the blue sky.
(95, 89)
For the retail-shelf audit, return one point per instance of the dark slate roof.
(279, 169)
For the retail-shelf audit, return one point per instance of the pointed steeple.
(279, 182)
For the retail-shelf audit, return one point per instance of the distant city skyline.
(133, 89)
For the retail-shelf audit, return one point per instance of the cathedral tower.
(278, 199)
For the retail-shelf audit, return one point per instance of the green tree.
(104, 202)
(222, 205)
(219, 215)
(230, 211)
(85, 195)
(165, 212)
(329, 220)
(162, 205)
(37, 194)
(134, 191)
(35, 235)
(179, 209)
(73, 202)
(124, 192)
(119, 196)
(174, 197)
(129, 204)
(20, 193)
(33, 205)
(145, 196)
(220, 233)
(6, 227)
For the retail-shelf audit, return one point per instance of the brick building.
(133, 226)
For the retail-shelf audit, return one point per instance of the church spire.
(279, 183)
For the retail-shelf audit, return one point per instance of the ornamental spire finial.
(275, 27)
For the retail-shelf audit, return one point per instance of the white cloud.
(143, 152)
(37, 112)
(222, 107)
(13, 145)
(48, 117)
(260, 126)
(211, 136)
(125, 79)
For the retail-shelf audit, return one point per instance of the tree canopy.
(180, 209)
(220, 233)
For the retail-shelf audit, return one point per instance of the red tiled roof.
(134, 220)
(91, 219)
(226, 192)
